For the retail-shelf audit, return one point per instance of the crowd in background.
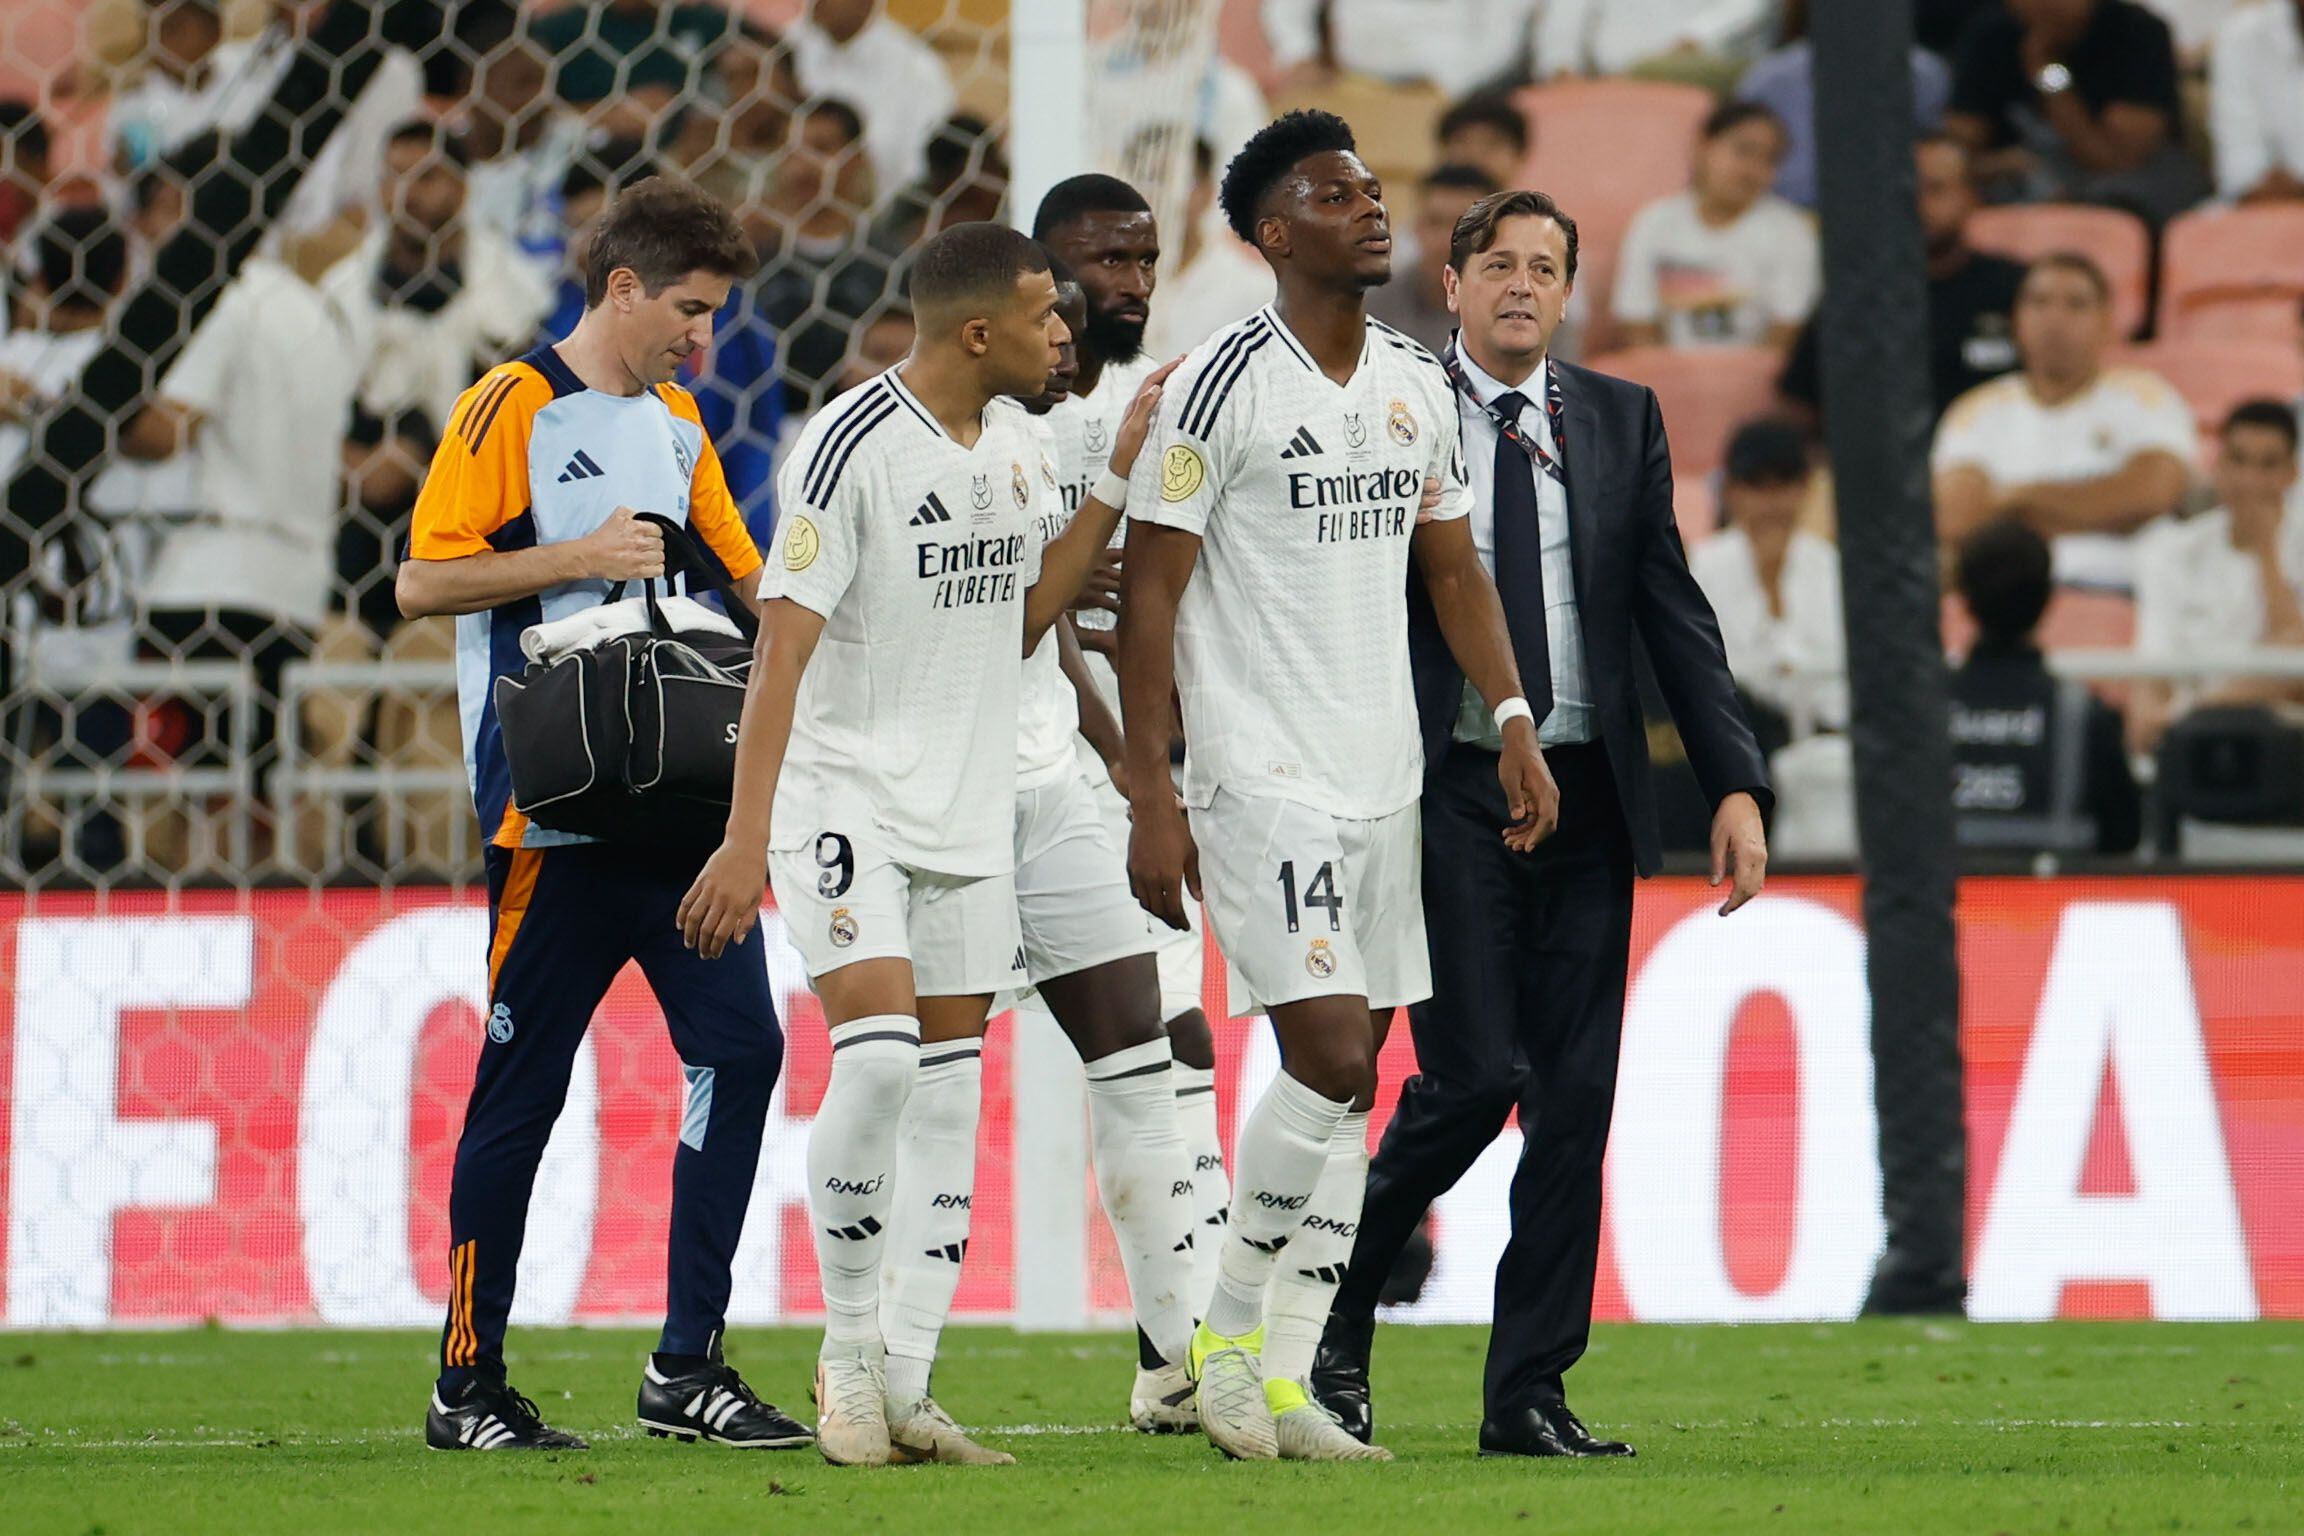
(253, 509)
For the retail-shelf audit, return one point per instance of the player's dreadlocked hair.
(1270, 155)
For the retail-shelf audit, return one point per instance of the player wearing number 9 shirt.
(876, 782)
(1271, 522)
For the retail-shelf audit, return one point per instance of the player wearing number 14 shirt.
(1271, 522)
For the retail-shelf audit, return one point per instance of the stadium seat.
(2232, 272)
(1706, 393)
(2116, 241)
(2214, 376)
(1605, 149)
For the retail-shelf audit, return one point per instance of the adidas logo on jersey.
(581, 467)
(1302, 446)
(931, 513)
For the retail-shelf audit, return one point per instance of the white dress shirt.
(1571, 719)
(2256, 97)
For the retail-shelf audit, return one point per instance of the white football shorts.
(845, 899)
(1306, 904)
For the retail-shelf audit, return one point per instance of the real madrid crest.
(843, 928)
(1400, 423)
(682, 457)
(1097, 439)
(1320, 960)
(1355, 434)
(980, 491)
(1021, 486)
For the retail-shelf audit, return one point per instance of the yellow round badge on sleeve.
(801, 545)
(1182, 471)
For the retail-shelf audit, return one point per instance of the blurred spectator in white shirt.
(1785, 83)
(2083, 453)
(2256, 102)
(1486, 129)
(848, 49)
(1775, 587)
(1212, 280)
(1453, 44)
(1700, 41)
(428, 302)
(1727, 262)
(225, 87)
(521, 143)
(1146, 67)
(2218, 581)
(1416, 300)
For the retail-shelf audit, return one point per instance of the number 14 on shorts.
(1319, 892)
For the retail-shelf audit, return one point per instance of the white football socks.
(935, 1185)
(1305, 1277)
(1283, 1151)
(1145, 1182)
(852, 1168)
(1211, 1186)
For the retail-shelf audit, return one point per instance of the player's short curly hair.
(1270, 154)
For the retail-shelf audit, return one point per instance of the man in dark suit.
(1572, 486)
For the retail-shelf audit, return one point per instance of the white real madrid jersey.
(1292, 637)
(918, 553)
(1078, 435)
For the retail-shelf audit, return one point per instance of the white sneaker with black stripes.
(712, 1403)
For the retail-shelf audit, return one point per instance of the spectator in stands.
(1971, 294)
(820, 278)
(1453, 44)
(966, 182)
(25, 168)
(1489, 131)
(1208, 279)
(427, 301)
(1701, 42)
(1416, 299)
(1146, 66)
(874, 347)
(1727, 262)
(2037, 761)
(179, 90)
(2074, 101)
(2218, 581)
(2257, 103)
(851, 51)
(1785, 83)
(260, 395)
(1776, 587)
(731, 149)
(76, 262)
(521, 142)
(631, 64)
(2082, 453)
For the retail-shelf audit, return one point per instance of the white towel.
(546, 643)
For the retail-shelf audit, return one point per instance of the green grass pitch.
(1902, 1427)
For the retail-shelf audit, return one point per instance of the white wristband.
(1112, 490)
(1514, 708)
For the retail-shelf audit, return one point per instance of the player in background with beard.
(1088, 947)
(1103, 229)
